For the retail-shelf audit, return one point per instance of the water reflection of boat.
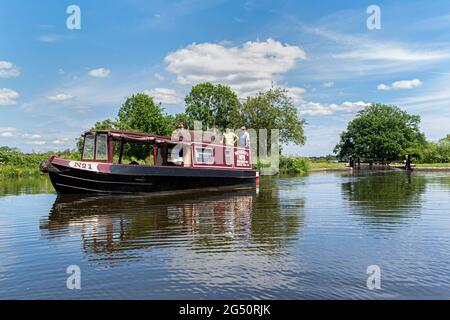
(120, 225)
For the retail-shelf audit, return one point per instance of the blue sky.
(56, 82)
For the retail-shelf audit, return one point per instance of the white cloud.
(398, 85)
(60, 97)
(383, 87)
(59, 141)
(8, 97)
(32, 136)
(328, 84)
(8, 70)
(26, 138)
(165, 95)
(433, 101)
(321, 109)
(37, 142)
(362, 48)
(47, 38)
(407, 84)
(7, 129)
(391, 52)
(353, 55)
(247, 69)
(7, 132)
(295, 93)
(99, 73)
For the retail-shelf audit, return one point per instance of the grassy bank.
(28, 165)
(300, 165)
(9, 171)
(325, 166)
(15, 164)
(293, 165)
(444, 167)
(433, 165)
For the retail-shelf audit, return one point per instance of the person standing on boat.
(230, 138)
(244, 140)
(178, 151)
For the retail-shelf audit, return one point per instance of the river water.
(308, 237)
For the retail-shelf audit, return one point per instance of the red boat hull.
(92, 177)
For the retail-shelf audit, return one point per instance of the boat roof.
(129, 136)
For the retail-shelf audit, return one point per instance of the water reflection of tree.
(277, 215)
(26, 185)
(384, 197)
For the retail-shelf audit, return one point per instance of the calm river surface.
(309, 237)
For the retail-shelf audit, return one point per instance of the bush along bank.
(14, 163)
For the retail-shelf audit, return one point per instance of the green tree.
(436, 152)
(274, 109)
(213, 105)
(9, 150)
(446, 139)
(185, 119)
(141, 113)
(380, 131)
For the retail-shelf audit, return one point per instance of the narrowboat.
(177, 163)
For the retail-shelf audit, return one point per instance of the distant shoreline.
(330, 169)
(445, 167)
(432, 169)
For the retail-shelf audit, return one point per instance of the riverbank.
(432, 167)
(327, 166)
(10, 171)
(426, 167)
(334, 167)
(15, 165)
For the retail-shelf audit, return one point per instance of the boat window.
(101, 151)
(229, 157)
(204, 155)
(88, 150)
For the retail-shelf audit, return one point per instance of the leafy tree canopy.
(185, 119)
(141, 113)
(9, 150)
(274, 109)
(446, 139)
(380, 131)
(213, 105)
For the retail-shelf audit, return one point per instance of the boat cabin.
(112, 146)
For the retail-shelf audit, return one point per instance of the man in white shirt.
(244, 140)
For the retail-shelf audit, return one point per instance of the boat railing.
(216, 155)
(196, 154)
